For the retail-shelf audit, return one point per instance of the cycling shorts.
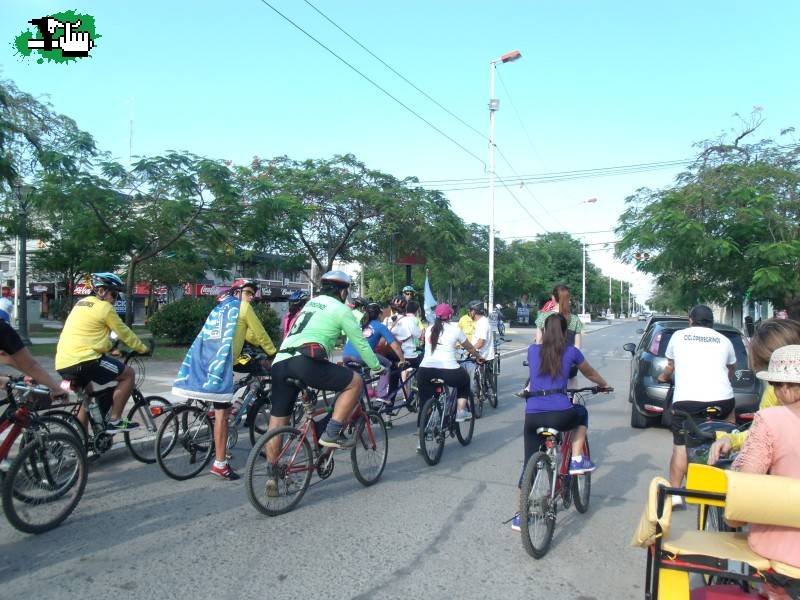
(317, 374)
(697, 410)
(101, 370)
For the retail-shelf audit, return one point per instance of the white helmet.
(337, 277)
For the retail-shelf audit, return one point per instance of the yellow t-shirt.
(249, 328)
(467, 325)
(86, 330)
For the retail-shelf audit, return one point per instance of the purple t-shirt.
(536, 404)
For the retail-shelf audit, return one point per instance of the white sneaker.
(463, 415)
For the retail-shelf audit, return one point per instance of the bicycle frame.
(16, 416)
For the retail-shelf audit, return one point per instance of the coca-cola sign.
(81, 289)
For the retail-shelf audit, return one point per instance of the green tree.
(728, 226)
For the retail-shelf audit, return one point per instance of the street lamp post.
(21, 284)
(583, 295)
(494, 104)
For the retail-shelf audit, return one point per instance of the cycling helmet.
(333, 282)
(374, 311)
(398, 303)
(108, 281)
(241, 283)
(443, 312)
(409, 289)
(297, 298)
(477, 306)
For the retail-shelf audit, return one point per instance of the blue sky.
(600, 84)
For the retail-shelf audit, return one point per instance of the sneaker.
(463, 415)
(225, 472)
(579, 467)
(515, 523)
(678, 503)
(389, 425)
(419, 448)
(340, 441)
(121, 426)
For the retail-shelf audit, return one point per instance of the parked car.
(650, 399)
(654, 318)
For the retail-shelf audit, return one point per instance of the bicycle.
(406, 390)
(286, 479)
(48, 466)
(546, 479)
(438, 421)
(146, 410)
(184, 442)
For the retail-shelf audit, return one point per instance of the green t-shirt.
(574, 325)
(321, 321)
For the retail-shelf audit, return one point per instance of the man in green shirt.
(304, 355)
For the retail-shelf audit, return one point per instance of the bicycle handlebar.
(595, 389)
(689, 421)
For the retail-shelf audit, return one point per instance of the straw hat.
(784, 365)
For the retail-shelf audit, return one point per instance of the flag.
(430, 301)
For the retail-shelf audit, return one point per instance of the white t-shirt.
(484, 331)
(406, 332)
(701, 357)
(445, 355)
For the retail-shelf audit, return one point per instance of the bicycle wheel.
(149, 412)
(371, 450)
(490, 389)
(582, 485)
(465, 429)
(40, 502)
(185, 442)
(478, 397)
(431, 432)
(72, 420)
(537, 519)
(276, 488)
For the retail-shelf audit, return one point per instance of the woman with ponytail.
(442, 342)
(560, 305)
(548, 404)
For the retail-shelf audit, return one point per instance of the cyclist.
(467, 325)
(703, 361)
(496, 320)
(548, 404)
(482, 335)
(409, 293)
(297, 300)
(374, 331)
(304, 355)
(441, 344)
(248, 329)
(397, 305)
(14, 353)
(559, 302)
(84, 342)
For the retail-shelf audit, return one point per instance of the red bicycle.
(276, 487)
(45, 479)
(546, 480)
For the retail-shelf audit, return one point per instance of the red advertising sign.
(82, 290)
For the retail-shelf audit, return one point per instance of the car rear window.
(658, 345)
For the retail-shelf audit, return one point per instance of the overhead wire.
(374, 83)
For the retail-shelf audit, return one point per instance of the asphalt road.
(430, 532)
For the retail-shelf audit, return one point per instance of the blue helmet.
(298, 297)
(108, 281)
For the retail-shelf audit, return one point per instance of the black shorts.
(696, 409)
(317, 374)
(102, 370)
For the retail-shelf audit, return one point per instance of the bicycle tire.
(284, 480)
(490, 387)
(431, 433)
(18, 476)
(465, 429)
(185, 436)
(70, 418)
(478, 396)
(536, 506)
(149, 413)
(372, 454)
(582, 485)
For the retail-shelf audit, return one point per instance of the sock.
(220, 464)
(577, 457)
(333, 429)
(114, 421)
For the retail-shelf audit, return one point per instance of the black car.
(650, 398)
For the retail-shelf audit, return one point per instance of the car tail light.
(746, 416)
(655, 343)
(653, 408)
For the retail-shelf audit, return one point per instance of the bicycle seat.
(547, 431)
(295, 383)
(437, 381)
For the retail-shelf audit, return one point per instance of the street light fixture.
(494, 105)
(23, 193)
